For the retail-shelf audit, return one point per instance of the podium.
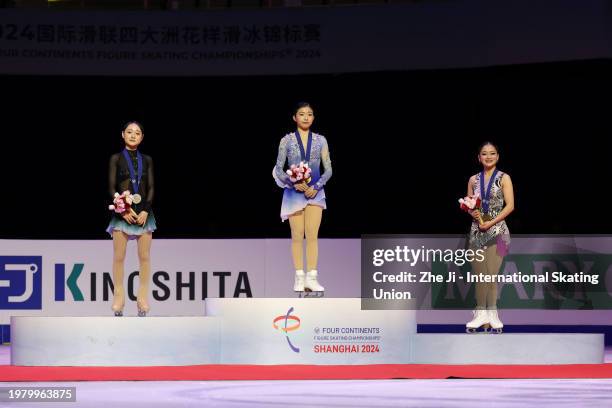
(114, 341)
(264, 331)
(311, 331)
(508, 348)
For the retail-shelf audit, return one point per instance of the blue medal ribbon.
(305, 154)
(135, 181)
(485, 198)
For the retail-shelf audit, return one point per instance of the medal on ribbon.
(135, 180)
(486, 217)
(304, 153)
(486, 197)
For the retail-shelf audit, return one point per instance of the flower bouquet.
(299, 173)
(471, 203)
(122, 203)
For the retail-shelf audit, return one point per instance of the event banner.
(542, 280)
(288, 41)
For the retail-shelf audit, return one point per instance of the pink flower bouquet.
(299, 173)
(122, 203)
(471, 203)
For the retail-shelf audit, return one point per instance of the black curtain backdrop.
(403, 145)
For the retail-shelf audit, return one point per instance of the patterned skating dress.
(498, 234)
(292, 151)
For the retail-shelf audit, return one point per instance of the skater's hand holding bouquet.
(472, 205)
(122, 204)
(311, 192)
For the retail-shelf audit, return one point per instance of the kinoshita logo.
(288, 323)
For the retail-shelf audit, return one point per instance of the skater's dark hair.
(487, 143)
(133, 122)
(301, 105)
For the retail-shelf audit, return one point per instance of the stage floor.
(373, 393)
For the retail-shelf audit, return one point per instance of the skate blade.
(310, 294)
(486, 329)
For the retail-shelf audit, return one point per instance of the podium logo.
(21, 282)
(282, 323)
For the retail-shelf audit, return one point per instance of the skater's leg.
(493, 262)
(120, 240)
(144, 258)
(479, 268)
(312, 222)
(296, 222)
(481, 318)
(313, 214)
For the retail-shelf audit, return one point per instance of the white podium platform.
(508, 348)
(311, 331)
(114, 341)
(323, 331)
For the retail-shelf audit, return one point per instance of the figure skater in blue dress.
(304, 201)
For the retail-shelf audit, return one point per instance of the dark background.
(403, 145)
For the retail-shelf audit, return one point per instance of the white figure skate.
(312, 287)
(496, 324)
(298, 285)
(480, 320)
